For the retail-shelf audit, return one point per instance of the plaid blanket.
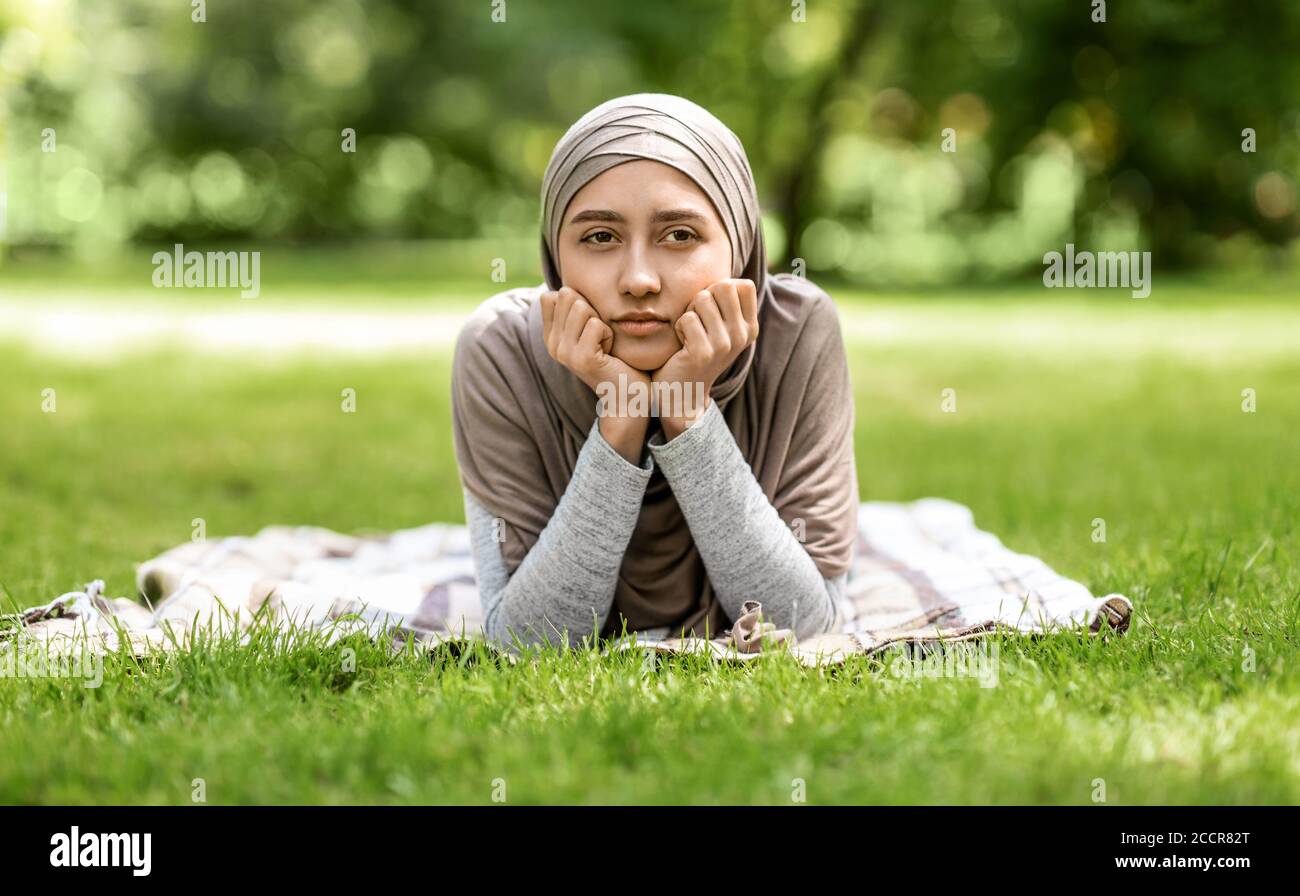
(923, 575)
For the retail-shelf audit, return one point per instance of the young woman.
(592, 513)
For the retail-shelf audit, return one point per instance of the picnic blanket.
(923, 574)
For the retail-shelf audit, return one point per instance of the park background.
(1170, 127)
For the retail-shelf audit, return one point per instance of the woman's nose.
(638, 276)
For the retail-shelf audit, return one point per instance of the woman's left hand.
(718, 324)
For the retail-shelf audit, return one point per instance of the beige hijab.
(520, 418)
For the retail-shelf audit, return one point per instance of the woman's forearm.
(748, 550)
(566, 582)
(626, 435)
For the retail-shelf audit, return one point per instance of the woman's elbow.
(828, 615)
(513, 634)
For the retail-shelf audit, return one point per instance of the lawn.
(1071, 408)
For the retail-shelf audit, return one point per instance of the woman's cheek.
(592, 292)
(670, 339)
(705, 267)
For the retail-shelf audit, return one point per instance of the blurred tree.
(1126, 133)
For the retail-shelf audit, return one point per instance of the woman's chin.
(645, 358)
(642, 363)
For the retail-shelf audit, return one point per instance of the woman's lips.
(640, 327)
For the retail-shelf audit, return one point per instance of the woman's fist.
(576, 337)
(718, 324)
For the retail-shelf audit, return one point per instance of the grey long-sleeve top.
(564, 588)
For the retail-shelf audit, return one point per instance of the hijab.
(520, 418)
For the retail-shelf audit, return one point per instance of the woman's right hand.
(576, 337)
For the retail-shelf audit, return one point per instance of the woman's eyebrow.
(676, 214)
(659, 217)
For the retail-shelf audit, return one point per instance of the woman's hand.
(718, 324)
(576, 337)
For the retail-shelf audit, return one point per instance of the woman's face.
(639, 241)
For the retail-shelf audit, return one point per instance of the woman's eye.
(591, 237)
(689, 235)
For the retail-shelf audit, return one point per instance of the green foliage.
(1123, 134)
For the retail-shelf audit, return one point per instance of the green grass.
(1069, 409)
